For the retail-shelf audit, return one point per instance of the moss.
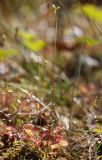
(21, 151)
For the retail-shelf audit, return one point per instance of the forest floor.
(50, 91)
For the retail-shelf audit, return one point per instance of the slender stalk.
(55, 53)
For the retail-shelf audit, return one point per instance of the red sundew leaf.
(31, 127)
(9, 130)
(27, 134)
(58, 129)
(30, 135)
(44, 135)
(57, 138)
(28, 126)
(39, 143)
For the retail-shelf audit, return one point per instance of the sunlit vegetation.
(50, 80)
